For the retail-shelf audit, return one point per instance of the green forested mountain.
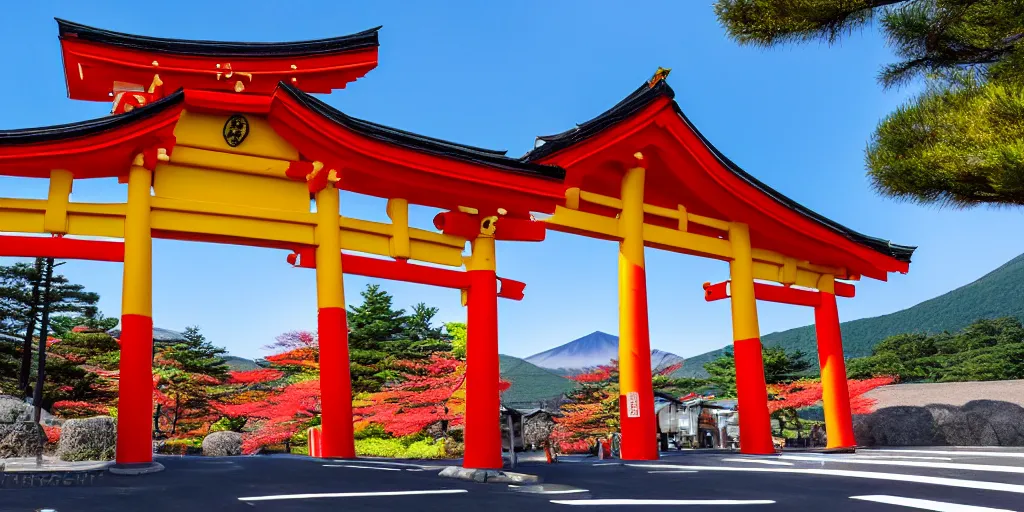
(531, 385)
(999, 293)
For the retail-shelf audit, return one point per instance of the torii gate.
(235, 153)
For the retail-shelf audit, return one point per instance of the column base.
(139, 468)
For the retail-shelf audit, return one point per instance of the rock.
(904, 426)
(490, 476)
(21, 439)
(862, 434)
(14, 409)
(88, 439)
(222, 444)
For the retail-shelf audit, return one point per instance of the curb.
(488, 476)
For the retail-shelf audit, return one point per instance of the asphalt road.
(921, 479)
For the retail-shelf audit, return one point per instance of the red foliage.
(73, 409)
(52, 434)
(257, 376)
(428, 395)
(804, 393)
(574, 447)
(304, 357)
(669, 370)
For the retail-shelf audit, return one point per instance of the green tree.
(22, 305)
(960, 141)
(186, 370)
(375, 321)
(779, 367)
(63, 324)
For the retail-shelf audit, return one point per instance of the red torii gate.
(222, 142)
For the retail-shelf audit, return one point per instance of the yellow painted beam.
(234, 210)
(398, 212)
(206, 131)
(199, 184)
(244, 164)
(56, 218)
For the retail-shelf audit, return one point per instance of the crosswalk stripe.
(897, 477)
(932, 465)
(1018, 455)
(937, 506)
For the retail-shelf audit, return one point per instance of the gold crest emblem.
(236, 129)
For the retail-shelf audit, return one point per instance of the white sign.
(632, 404)
(732, 430)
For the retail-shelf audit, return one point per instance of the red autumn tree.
(806, 393)
(431, 391)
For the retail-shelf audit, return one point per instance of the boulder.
(862, 434)
(14, 409)
(222, 444)
(88, 439)
(21, 439)
(904, 426)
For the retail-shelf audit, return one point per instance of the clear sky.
(496, 74)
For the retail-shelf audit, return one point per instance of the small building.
(694, 421)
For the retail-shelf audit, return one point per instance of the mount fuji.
(592, 350)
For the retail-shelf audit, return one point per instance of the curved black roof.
(88, 127)
(480, 156)
(364, 39)
(645, 95)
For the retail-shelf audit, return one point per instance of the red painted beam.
(61, 248)
(395, 270)
(781, 294)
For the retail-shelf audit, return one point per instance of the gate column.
(751, 391)
(835, 395)
(483, 402)
(636, 392)
(135, 387)
(332, 329)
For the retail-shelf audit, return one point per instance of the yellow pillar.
(135, 389)
(332, 327)
(636, 392)
(55, 220)
(751, 391)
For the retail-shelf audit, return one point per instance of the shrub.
(425, 449)
(372, 431)
(380, 448)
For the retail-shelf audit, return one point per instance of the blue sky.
(496, 74)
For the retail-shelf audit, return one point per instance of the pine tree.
(22, 304)
(957, 143)
(375, 321)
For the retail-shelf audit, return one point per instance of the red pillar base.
(483, 401)
(336, 438)
(752, 399)
(135, 392)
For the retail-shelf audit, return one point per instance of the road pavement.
(941, 479)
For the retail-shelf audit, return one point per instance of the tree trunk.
(30, 328)
(37, 399)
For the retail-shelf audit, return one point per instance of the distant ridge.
(592, 350)
(996, 294)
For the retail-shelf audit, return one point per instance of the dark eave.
(644, 96)
(89, 127)
(430, 145)
(364, 39)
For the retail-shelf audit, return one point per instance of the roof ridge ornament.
(660, 75)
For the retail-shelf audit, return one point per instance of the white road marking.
(1019, 455)
(867, 455)
(415, 469)
(897, 477)
(662, 502)
(350, 494)
(556, 491)
(607, 464)
(655, 472)
(933, 465)
(938, 506)
(359, 467)
(760, 461)
(386, 463)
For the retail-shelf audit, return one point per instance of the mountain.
(594, 349)
(996, 294)
(236, 363)
(531, 386)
